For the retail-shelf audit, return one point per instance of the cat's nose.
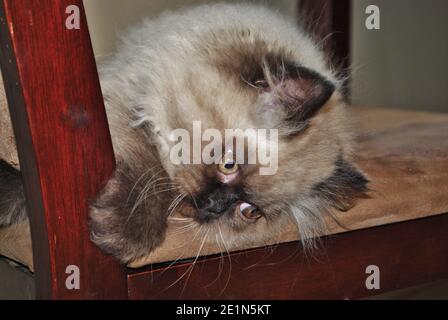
(218, 206)
(217, 203)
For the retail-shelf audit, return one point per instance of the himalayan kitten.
(228, 66)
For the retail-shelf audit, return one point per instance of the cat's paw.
(125, 241)
(122, 227)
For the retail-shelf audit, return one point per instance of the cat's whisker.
(230, 261)
(149, 182)
(194, 262)
(156, 183)
(158, 191)
(179, 256)
(183, 275)
(175, 203)
(221, 262)
(182, 230)
(181, 226)
(275, 245)
(187, 224)
(142, 196)
(175, 219)
(194, 199)
(139, 179)
(248, 82)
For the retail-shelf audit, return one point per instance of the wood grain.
(63, 140)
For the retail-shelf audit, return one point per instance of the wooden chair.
(66, 157)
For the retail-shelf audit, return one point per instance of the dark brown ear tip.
(345, 207)
(353, 201)
(344, 187)
(6, 168)
(316, 78)
(313, 92)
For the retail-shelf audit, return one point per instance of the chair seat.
(403, 153)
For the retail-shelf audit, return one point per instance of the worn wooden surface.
(16, 244)
(8, 150)
(63, 142)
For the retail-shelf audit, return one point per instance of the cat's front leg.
(128, 219)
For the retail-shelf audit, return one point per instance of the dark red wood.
(408, 254)
(63, 141)
(330, 22)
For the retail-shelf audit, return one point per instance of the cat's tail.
(12, 197)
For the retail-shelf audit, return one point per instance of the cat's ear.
(303, 92)
(297, 93)
(344, 187)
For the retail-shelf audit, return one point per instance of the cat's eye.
(250, 211)
(228, 167)
(261, 84)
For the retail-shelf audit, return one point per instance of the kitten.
(228, 66)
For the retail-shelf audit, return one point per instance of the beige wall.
(405, 64)
(109, 18)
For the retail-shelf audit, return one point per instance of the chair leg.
(63, 141)
(330, 21)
